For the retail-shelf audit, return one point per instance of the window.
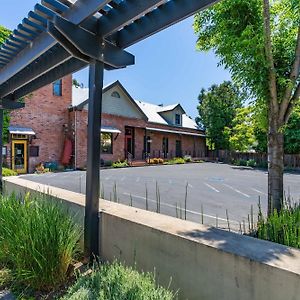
(177, 119)
(115, 94)
(34, 151)
(106, 143)
(57, 88)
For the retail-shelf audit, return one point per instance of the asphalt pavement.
(211, 189)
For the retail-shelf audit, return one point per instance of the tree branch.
(292, 103)
(269, 56)
(292, 80)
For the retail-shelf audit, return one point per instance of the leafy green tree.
(4, 33)
(241, 135)
(259, 42)
(217, 108)
(292, 133)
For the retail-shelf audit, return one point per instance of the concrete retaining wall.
(203, 262)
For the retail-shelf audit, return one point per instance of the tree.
(241, 135)
(292, 133)
(217, 107)
(259, 42)
(4, 33)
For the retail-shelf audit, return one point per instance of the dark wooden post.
(91, 222)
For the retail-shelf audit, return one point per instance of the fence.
(290, 160)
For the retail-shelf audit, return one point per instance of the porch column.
(1, 160)
(91, 221)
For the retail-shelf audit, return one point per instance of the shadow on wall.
(245, 246)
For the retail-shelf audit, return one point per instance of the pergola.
(60, 37)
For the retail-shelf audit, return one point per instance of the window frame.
(57, 84)
(180, 119)
(111, 143)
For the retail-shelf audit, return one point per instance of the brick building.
(130, 129)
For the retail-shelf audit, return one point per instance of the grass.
(116, 282)
(38, 241)
(281, 227)
(8, 172)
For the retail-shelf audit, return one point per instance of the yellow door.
(19, 156)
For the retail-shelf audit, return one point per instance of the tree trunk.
(275, 164)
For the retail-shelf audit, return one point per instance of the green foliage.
(120, 164)
(176, 161)
(282, 227)
(38, 240)
(116, 282)
(8, 172)
(251, 163)
(241, 135)
(234, 29)
(5, 278)
(4, 33)
(292, 133)
(217, 108)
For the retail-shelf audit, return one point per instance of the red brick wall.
(46, 114)
(139, 133)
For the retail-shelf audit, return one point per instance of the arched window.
(115, 94)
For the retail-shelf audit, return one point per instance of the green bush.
(8, 172)
(176, 161)
(38, 240)
(116, 282)
(282, 227)
(240, 162)
(251, 163)
(187, 159)
(120, 164)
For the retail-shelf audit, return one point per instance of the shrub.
(188, 158)
(282, 227)
(176, 161)
(38, 239)
(112, 282)
(251, 163)
(240, 162)
(8, 172)
(120, 164)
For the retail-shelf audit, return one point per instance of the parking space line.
(211, 187)
(237, 191)
(260, 192)
(173, 206)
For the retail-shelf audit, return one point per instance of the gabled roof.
(171, 107)
(85, 93)
(152, 112)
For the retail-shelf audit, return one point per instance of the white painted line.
(237, 191)
(260, 192)
(189, 185)
(174, 207)
(211, 187)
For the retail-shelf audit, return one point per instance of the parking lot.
(211, 189)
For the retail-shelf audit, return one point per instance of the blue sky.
(168, 69)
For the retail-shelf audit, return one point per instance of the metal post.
(91, 226)
(1, 156)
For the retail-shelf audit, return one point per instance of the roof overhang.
(175, 131)
(109, 129)
(20, 130)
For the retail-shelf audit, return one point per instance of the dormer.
(172, 114)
